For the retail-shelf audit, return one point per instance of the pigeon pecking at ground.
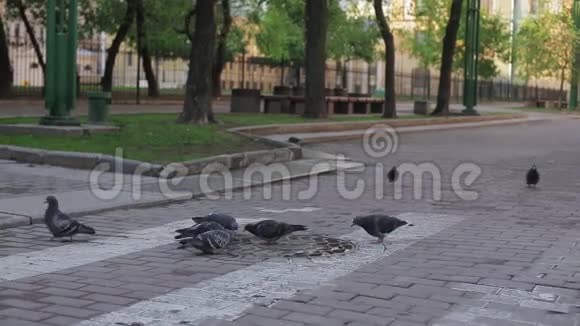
(295, 140)
(225, 220)
(272, 231)
(195, 230)
(379, 225)
(60, 224)
(533, 176)
(393, 174)
(210, 242)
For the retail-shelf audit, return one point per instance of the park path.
(508, 258)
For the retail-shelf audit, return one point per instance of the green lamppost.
(471, 57)
(575, 59)
(61, 58)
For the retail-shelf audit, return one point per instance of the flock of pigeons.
(216, 231)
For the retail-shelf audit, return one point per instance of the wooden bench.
(354, 105)
(334, 104)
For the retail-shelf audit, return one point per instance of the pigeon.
(197, 229)
(379, 225)
(295, 140)
(393, 174)
(271, 230)
(533, 176)
(211, 241)
(225, 220)
(60, 224)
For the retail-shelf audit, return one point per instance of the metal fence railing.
(256, 73)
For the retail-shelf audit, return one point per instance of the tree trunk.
(444, 91)
(30, 31)
(560, 94)
(282, 74)
(316, 27)
(344, 76)
(107, 80)
(297, 74)
(5, 67)
(220, 57)
(152, 85)
(197, 104)
(390, 100)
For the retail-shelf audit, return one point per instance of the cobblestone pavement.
(508, 258)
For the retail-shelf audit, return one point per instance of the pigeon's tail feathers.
(298, 227)
(180, 236)
(86, 229)
(198, 219)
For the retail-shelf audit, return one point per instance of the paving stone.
(19, 303)
(301, 307)
(548, 306)
(71, 302)
(25, 314)
(62, 292)
(109, 299)
(312, 319)
(499, 322)
(267, 312)
(20, 322)
(556, 291)
(474, 287)
(70, 311)
(263, 321)
(62, 321)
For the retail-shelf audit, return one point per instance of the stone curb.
(347, 126)
(88, 161)
(402, 130)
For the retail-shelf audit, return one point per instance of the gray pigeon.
(393, 174)
(295, 140)
(271, 230)
(211, 241)
(197, 229)
(379, 225)
(225, 220)
(60, 224)
(533, 176)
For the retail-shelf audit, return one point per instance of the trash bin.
(245, 100)
(98, 107)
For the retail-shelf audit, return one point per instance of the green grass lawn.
(157, 138)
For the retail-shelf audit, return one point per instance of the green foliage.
(165, 26)
(281, 32)
(36, 13)
(494, 45)
(424, 43)
(236, 43)
(281, 35)
(544, 45)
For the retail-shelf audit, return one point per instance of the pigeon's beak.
(352, 225)
(410, 224)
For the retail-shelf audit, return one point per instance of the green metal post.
(573, 103)
(72, 55)
(471, 57)
(61, 47)
(49, 81)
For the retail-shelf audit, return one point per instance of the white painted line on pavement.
(229, 295)
(301, 210)
(76, 254)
